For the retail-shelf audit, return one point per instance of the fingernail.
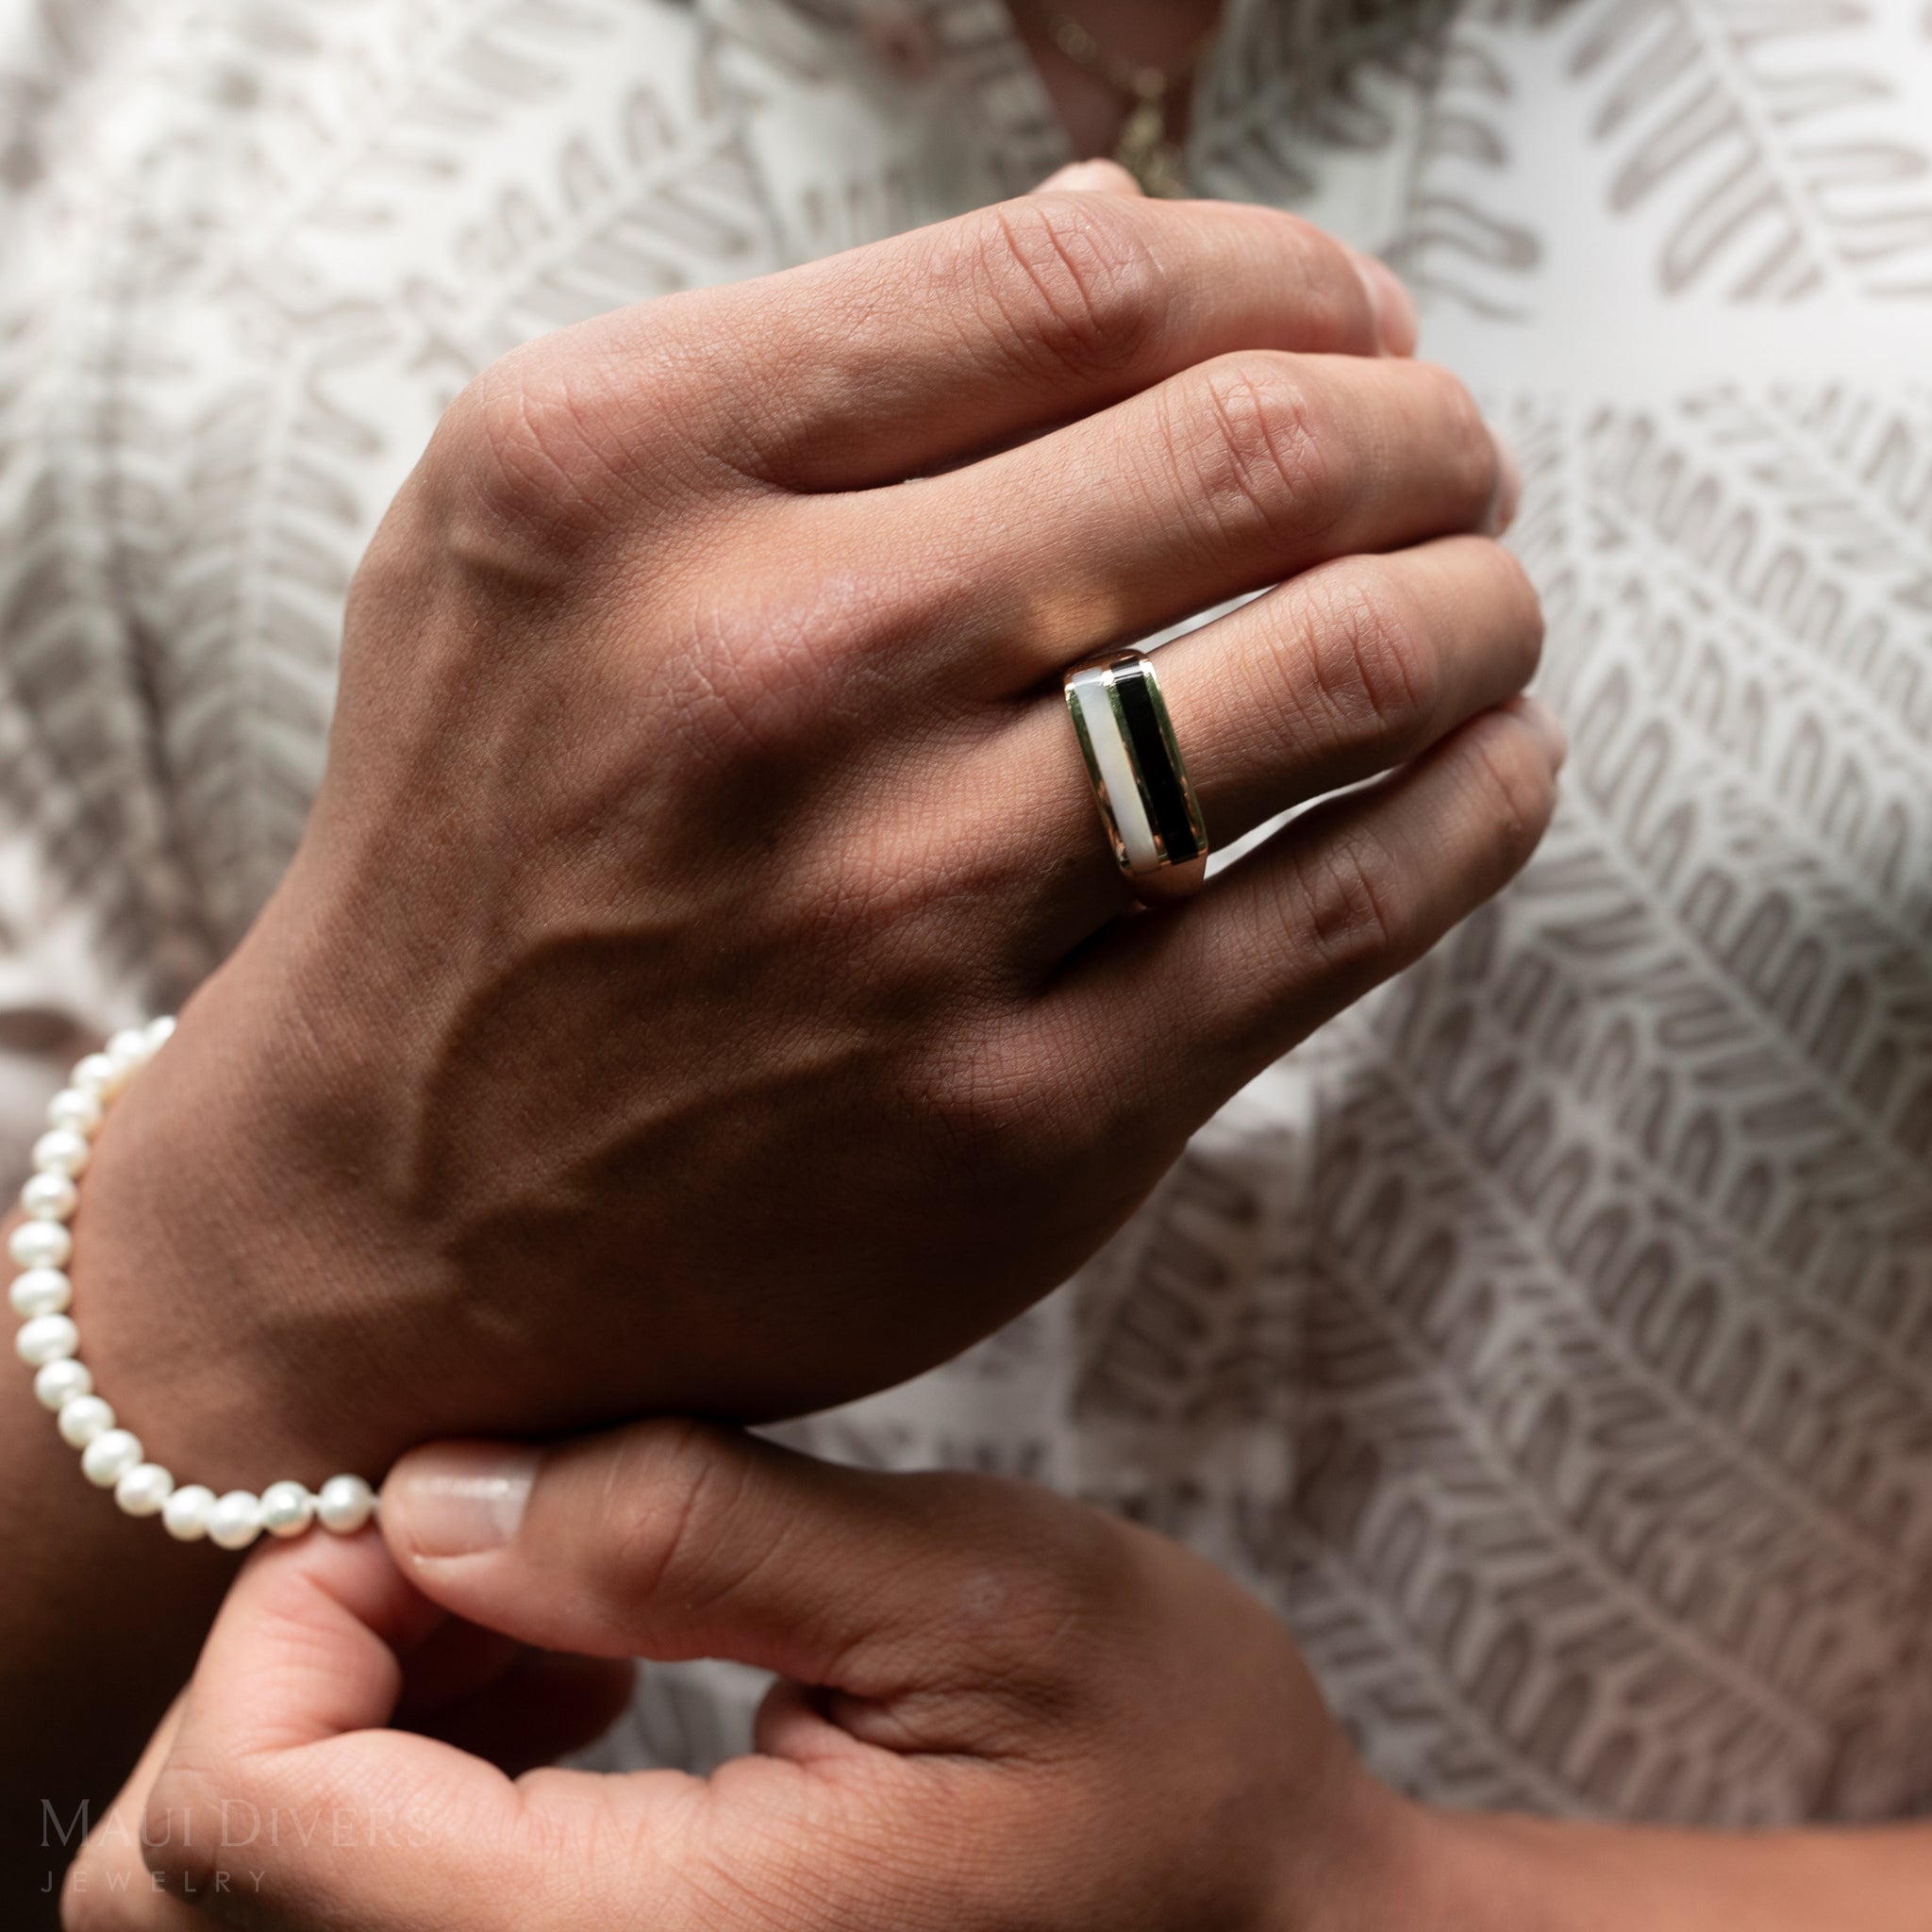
(457, 1498)
(1090, 177)
(1546, 728)
(1394, 307)
(1509, 491)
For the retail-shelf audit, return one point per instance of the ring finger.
(1343, 672)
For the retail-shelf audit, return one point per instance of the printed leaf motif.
(1298, 81)
(1767, 138)
(1453, 244)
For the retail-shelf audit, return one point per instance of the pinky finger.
(1204, 996)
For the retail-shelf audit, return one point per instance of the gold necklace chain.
(1144, 147)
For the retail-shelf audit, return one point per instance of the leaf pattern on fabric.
(1782, 160)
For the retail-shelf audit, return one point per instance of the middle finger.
(1224, 479)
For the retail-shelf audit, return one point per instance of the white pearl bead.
(96, 1074)
(39, 1245)
(83, 1419)
(184, 1516)
(40, 1292)
(287, 1509)
(46, 1339)
(344, 1503)
(49, 1197)
(77, 1111)
(129, 1049)
(109, 1456)
(59, 1383)
(144, 1489)
(235, 1521)
(60, 1150)
(160, 1032)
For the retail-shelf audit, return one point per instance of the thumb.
(674, 1539)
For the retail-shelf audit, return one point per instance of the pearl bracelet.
(49, 1344)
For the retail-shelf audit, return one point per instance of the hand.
(998, 1711)
(704, 984)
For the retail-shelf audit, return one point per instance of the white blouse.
(1550, 1339)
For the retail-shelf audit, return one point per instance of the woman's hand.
(705, 985)
(998, 1711)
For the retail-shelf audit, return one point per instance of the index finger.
(279, 1789)
(915, 353)
(277, 1803)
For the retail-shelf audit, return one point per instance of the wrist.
(1368, 1860)
(1392, 1861)
(1486, 1871)
(233, 1335)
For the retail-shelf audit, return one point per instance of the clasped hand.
(704, 985)
(996, 1711)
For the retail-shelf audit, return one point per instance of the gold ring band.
(1140, 781)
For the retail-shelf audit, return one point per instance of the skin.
(704, 986)
(996, 1711)
(701, 821)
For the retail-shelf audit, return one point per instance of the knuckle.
(1256, 441)
(1333, 310)
(1070, 280)
(530, 451)
(786, 669)
(1502, 608)
(1516, 793)
(1467, 449)
(1348, 908)
(1375, 662)
(670, 1487)
(1524, 623)
(190, 1814)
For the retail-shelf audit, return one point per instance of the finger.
(1347, 670)
(1171, 1013)
(329, 1622)
(1340, 674)
(499, 1700)
(915, 352)
(109, 1886)
(1397, 324)
(1089, 177)
(674, 1541)
(453, 1661)
(791, 1722)
(1396, 319)
(540, 1706)
(277, 1778)
(1226, 478)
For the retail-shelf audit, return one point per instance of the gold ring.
(1152, 817)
